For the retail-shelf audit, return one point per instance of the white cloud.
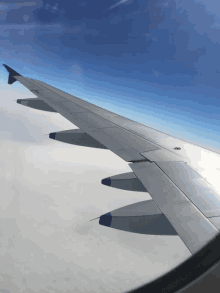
(46, 205)
(51, 192)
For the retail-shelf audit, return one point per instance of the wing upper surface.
(190, 223)
(135, 138)
(178, 146)
(185, 198)
(200, 192)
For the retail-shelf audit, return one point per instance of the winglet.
(12, 73)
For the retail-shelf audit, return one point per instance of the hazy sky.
(155, 62)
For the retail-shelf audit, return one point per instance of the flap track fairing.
(36, 103)
(125, 181)
(76, 137)
(143, 218)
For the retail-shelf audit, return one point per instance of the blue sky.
(153, 61)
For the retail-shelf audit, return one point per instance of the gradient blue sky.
(153, 61)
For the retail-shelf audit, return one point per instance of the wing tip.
(12, 73)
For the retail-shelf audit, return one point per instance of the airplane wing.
(161, 162)
(158, 160)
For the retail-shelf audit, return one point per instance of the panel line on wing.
(128, 155)
(176, 185)
(132, 121)
(126, 129)
(100, 129)
(190, 223)
(195, 187)
(117, 126)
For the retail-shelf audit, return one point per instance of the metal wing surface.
(186, 202)
(160, 161)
